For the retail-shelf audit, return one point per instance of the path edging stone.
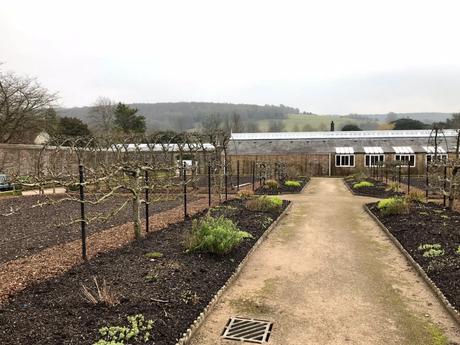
(195, 325)
(421, 272)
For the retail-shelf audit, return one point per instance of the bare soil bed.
(53, 312)
(429, 223)
(31, 230)
(379, 190)
(282, 189)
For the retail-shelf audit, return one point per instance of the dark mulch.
(430, 224)
(377, 191)
(282, 189)
(53, 312)
(30, 230)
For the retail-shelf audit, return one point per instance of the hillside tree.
(102, 115)
(127, 121)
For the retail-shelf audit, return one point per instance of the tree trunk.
(137, 216)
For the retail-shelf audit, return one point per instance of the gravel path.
(329, 275)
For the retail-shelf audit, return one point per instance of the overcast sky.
(324, 56)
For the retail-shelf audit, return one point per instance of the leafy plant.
(214, 235)
(153, 255)
(151, 277)
(363, 184)
(394, 205)
(272, 184)
(431, 250)
(264, 203)
(295, 184)
(266, 222)
(458, 250)
(137, 330)
(102, 294)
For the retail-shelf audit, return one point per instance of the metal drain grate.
(249, 330)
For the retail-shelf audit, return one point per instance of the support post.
(209, 184)
(147, 201)
(82, 212)
(445, 186)
(238, 176)
(399, 175)
(408, 177)
(226, 181)
(253, 176)
(427, 181)
(185, 189)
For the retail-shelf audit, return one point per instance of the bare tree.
(102, 114)
(23, 106)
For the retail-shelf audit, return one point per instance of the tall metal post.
(238, 175)
(408, 177)
(209, 184)
(185, 189)
(426, 180)
(226, 181)
(82, 212)
(399, 174)
(253, 176)
(445, 185)
(147, 201)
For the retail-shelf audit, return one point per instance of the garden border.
(444, 301)
(186, 337)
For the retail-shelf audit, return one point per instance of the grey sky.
(328, 56)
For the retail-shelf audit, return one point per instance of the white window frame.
(342, 157)
(370, 155)
(441, 156)
(408, 159)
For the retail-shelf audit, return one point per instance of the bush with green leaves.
(137, 330)
(431, 250)
(394, 205)
(415, 196)
(264, 203)
(295, 184)
(363, 184)
(214, 235)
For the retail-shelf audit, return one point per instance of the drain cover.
(249, 330)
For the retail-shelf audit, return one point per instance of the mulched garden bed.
(430, 224)
(30, 230)
(282, 189)
(53, 312)
(379, 190)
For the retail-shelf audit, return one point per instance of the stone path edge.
(445, 302)
(186, 337)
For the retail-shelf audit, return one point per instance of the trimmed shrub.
(395, 205)
(245, 194)
(363, 184)
(214, 235)
(264, 203)
(295, 184)
(272, 184)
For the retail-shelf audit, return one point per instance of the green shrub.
(363, 184)
(272, 184)
(138, 330)
(214, 235)
(431, 250)
(264, 203)
(395, 205)
(292, 184)
(458, 250)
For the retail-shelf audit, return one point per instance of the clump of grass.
(431, 250)
(101, 295)
(245, 194)
(415, 197)
(394, 205)
(295, 184)
(363, 184)
(214, 235)
(272, 184)
(393, 187)
(264, 204)
(153, 255)
(151, 277)
(138, 330)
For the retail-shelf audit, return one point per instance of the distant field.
(318, 122)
